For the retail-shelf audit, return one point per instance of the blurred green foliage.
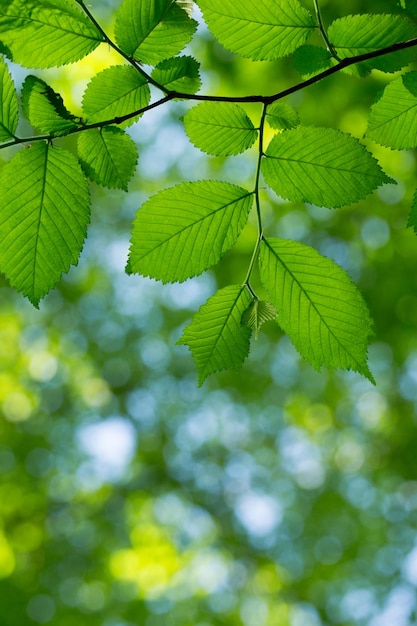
(275, 496)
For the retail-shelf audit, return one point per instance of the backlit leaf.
(393, 118)
(153, 30)
(44, 212)
(178, 74)
(45, 108)
(319, 307)
(282, 115)
(356, 34)
(219, 128)
(216, 337)
(115, 92)
(108, 156)
(412, 219)
(46, 33)
(322, 166)
(9, 106)
(184, 230)
(266, 29)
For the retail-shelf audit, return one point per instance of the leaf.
(46, 33)
(178, 74)
(216, 338)
(412, 220)
(45, 108)
(266, 29)
(393, 118)
(187, 5)
(182, 231)
(116, 92)
(259, 312)
(108, 156)
(152, 30)
(322, 166)
(9, 106)
(282, 115)
(319, 307)
(357, 34)
(44, 214)
(310, 60)
(411, 7)
(220, 128)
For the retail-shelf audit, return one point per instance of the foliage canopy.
(186, 229)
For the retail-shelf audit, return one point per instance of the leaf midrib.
(57, 28)
(317, 165)
(163, 16)
(219, 335)
(254, 21)
(201, 219)
(284, 265)
(41, 207)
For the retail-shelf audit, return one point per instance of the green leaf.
(393, 118)
(216, 338)
(282, 115)
(322, 166)
(116, 92)
(182, 231)
(9, 106)
(178, 74)
(44, 214)
(259, 312)
(220, 128)
(45, 108)
(266, 29)
(357, 34)
(152, 30)
(310, 60)
(108, 156)
(46, 33)
(412, 219)
(320, 309)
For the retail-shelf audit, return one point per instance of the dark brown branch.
(83, 127)
(367, 56)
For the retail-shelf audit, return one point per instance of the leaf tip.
(368, 374)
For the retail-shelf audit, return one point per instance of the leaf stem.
(258, 167)
(246, 282)
(330, 47)
(259, 238)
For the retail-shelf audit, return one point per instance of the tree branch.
(79, 129)
(170, 95)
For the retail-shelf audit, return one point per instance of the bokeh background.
(275, 496)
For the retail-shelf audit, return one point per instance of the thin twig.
(79, 129)
(330, 47)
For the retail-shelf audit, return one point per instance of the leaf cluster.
(186, 229)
